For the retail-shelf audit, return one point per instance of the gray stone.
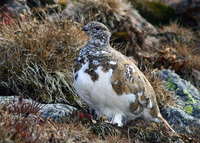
(56, 112)
(16, 8)
(141, 23)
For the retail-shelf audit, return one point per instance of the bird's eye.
(97, 28)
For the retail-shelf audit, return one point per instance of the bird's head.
(98, 33)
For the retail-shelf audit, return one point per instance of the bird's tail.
(174, 133)
(167, 124)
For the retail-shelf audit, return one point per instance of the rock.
(15, 8)
(141, 23)
(56, 112)
(151, 45)
(49, 2)
(185, 116)
(34, 3)
(189, 10)
(182, 5)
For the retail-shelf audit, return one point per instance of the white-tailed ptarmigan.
(110, 83)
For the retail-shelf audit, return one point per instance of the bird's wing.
(128, 79)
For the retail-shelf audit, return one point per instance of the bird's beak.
(84, 29)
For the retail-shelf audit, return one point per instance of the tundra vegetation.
(37, 53)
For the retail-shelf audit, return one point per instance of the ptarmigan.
(110, 83)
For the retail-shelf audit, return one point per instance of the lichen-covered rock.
(185, 115)
(56, 112)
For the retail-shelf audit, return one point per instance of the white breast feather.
(103, 99)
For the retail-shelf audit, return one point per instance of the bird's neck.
(99, 42)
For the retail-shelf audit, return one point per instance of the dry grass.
(106, 11)
(36, 56)
(19, 126)
(183, 33)
(189, 54)
(15, 128)
(30, 127)
(182, 52)
(163, 96)
(190, 58)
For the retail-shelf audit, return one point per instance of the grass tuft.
(36, 56)
(164, 97)
(106, 11)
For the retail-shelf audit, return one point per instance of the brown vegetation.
(30, 127)
(39, 56)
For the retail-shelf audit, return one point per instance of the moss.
(156, 12)
(188, 109)
(63, 4)
(122, 36)
(191, 100)
(170, 84)
(184, 91)
(189, 95)
(199, 107)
